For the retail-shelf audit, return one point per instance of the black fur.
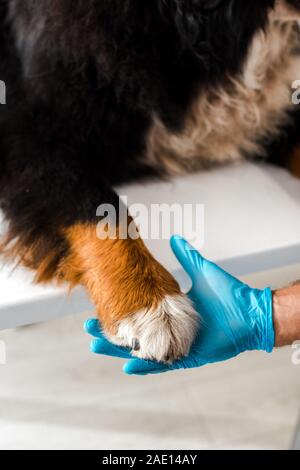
(84, 78)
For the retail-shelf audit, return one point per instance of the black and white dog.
(101, 92)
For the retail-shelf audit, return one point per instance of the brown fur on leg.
(138, 302)
(121, 276)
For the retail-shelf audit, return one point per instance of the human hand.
(233, 318)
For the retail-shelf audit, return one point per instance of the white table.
(252, 224)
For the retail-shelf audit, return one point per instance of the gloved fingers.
(141, 367)
(202, 271)
(105, 348)
(101, 345)
(187, 255)
(93, 328)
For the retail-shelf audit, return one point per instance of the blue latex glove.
(233, 318)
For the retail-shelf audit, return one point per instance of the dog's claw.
(135, 344)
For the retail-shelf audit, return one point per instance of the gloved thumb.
(189, 258)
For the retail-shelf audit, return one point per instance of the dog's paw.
(138, 301)
(163, 333)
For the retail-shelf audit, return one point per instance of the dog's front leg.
(139, 303)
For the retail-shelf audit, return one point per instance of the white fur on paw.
(164, 334)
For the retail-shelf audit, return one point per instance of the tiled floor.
(55, 394)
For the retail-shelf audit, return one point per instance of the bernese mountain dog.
(103, 92)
